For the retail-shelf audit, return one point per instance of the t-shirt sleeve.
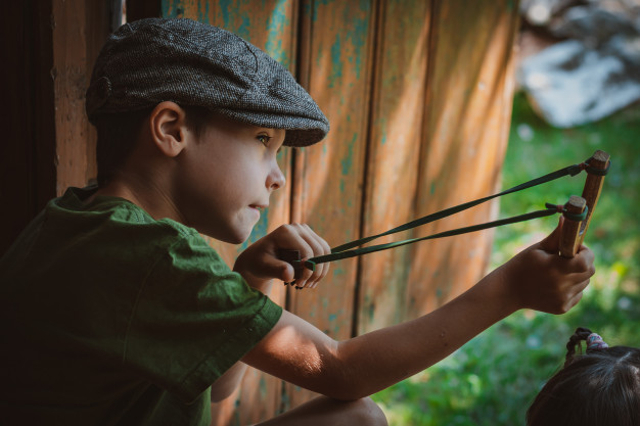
(193, 319)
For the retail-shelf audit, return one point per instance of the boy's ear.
(168, 128)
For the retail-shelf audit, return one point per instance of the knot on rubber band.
(559, 208)
(594, 171)
(576, 168)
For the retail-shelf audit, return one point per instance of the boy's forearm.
(301, 354)
(381, 358)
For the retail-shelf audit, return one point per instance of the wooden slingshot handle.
(573, 233)
(569, 240)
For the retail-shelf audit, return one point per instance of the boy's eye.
(264, 139)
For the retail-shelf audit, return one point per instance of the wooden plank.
(79, 29)
(270, 25)
(336, 56)
(467, 119)
(398, 110)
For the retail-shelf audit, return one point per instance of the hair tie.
(595, 343)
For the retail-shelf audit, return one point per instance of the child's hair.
(118, 133)
(600, 387)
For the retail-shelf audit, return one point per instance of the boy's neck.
(152, 199)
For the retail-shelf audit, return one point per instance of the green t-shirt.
(110, 317)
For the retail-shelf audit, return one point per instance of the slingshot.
(577, 212)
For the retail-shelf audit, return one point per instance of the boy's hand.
(259, 264)
(538, 278)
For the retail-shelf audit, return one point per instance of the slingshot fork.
(573, 232)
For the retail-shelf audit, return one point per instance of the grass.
(493, 378)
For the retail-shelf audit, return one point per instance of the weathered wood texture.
(466, 122)
(419, 97)
(79, 31)
(337, 48)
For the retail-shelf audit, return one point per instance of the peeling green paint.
(358, 38)
(263, 388)
(203, 12)
(336, 61)
(225, 8)
(382, 125)
(172, 8)
(316, 6)
(176, 8)
(347, 162)
(337, 271)
(276, 26)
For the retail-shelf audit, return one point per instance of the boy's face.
(227, 176)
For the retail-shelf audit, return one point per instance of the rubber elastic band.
(570, 170)
(345, 254)
(348, 250)
(577, 217)
(594, 171)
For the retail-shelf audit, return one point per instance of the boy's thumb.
(279, 269)
(551, 243)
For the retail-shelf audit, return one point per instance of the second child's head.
(202, 113)
(599, 387)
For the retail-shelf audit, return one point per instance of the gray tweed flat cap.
(194, 64)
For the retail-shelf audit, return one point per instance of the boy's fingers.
(573, 301)
(320, 247)
(313, 246)
(303, 239)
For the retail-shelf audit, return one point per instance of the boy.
(117, 312)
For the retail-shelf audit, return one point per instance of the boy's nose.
(276, 178)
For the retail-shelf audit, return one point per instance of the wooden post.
(569, 241)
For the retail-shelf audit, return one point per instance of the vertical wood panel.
(79, 30)
(270, 25)
(337, 46)
(394, 153)
(467, 116)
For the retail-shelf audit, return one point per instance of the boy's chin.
(235, 237)
(230, 236)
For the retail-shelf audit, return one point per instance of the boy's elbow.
(344, 381)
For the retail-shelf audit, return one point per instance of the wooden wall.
(419, 97)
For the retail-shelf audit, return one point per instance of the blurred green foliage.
(493, 378)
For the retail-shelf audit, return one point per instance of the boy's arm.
(262, 253)
(299, 353)
(228, 382)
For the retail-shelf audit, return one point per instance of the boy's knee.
(367, 412)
